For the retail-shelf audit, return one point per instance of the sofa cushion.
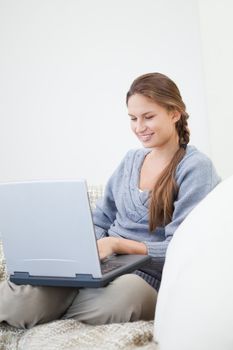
(72, 335)
(195, 301)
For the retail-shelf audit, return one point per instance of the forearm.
(127, 246)
(113, 245)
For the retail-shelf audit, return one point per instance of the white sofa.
(195, 302)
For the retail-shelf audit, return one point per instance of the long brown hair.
(161, 89)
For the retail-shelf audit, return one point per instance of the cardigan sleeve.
(195, 180)
(105, 212)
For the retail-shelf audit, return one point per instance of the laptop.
(49, 238)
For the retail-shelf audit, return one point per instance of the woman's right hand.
(106, 247)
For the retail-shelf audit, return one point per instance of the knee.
(128, 298)
(136, 297)
(47, 304)
(26, 306)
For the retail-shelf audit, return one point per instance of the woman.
(146, 199)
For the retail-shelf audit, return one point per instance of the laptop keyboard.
(107, 266)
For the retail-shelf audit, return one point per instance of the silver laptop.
(49, 239)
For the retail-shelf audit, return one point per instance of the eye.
(133, 119)
(150, 117)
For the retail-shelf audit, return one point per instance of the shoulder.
(131, 163)
(193, 158)
(135, 155)
(197, 165)
(130, 160)
(127, 168)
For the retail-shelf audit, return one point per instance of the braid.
(183, 130)
(164, 193)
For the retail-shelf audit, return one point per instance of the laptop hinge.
(84, 277)
(20, 274)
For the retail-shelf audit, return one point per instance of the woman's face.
(152, 124)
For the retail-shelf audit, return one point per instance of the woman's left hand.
(110, 245)
(106, 246)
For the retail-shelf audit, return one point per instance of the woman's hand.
(110, 245)
(106, 246)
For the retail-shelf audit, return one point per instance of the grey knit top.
(123, 210)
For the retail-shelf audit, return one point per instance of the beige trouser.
(127, 298)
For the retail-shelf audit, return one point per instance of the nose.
(140, 126)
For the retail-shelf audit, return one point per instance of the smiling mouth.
(146, 137)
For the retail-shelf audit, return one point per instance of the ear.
(176, 116)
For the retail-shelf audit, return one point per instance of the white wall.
(217, 45)
(65, 67)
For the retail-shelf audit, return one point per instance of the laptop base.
(81, 280)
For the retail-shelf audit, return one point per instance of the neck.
(165, 152)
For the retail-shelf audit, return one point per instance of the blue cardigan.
(123, 210)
